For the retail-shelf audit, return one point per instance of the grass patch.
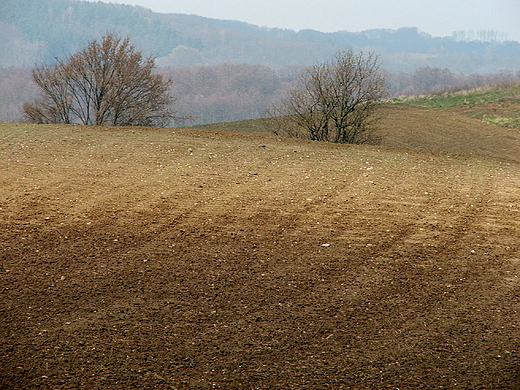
(478, 96)
(502, 121)
(498, 104)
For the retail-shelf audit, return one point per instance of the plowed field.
(182, 259)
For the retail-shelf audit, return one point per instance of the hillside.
(481, 121)
(197, 258)
(450, 132)
(42, 30)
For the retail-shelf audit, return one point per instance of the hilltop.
(203, 258)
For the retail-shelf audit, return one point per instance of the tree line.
(110, 83)
(38, 31)
(229, 91)
(41, 30)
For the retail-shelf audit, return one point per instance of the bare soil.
(195, 259)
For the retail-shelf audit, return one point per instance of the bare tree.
(107, 83)
(334, 101)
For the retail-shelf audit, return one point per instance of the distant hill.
(229, 70)
(37, 31)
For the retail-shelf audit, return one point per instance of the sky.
(436, 17)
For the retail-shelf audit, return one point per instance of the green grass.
(498, 104)
(496, 93)
(502, 121)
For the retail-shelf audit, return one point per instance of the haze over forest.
(230, 70)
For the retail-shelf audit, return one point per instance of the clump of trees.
(334, 101)
(107, 83)
(230, 92)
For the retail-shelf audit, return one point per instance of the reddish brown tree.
(107, 83)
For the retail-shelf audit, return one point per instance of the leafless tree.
(334, 101)
(107, 83)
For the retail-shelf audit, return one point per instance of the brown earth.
(452, 131)
(185, 259)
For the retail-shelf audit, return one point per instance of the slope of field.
(448, 130)
(190, 258)
(481, 121)
(484, 120)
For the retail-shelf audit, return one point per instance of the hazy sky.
(436, 17)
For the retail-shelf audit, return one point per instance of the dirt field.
(187, 259)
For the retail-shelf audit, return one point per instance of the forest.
(36, 31)
(230, 70)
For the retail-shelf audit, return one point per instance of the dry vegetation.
(196, 258)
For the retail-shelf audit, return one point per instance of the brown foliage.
(107, 83)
